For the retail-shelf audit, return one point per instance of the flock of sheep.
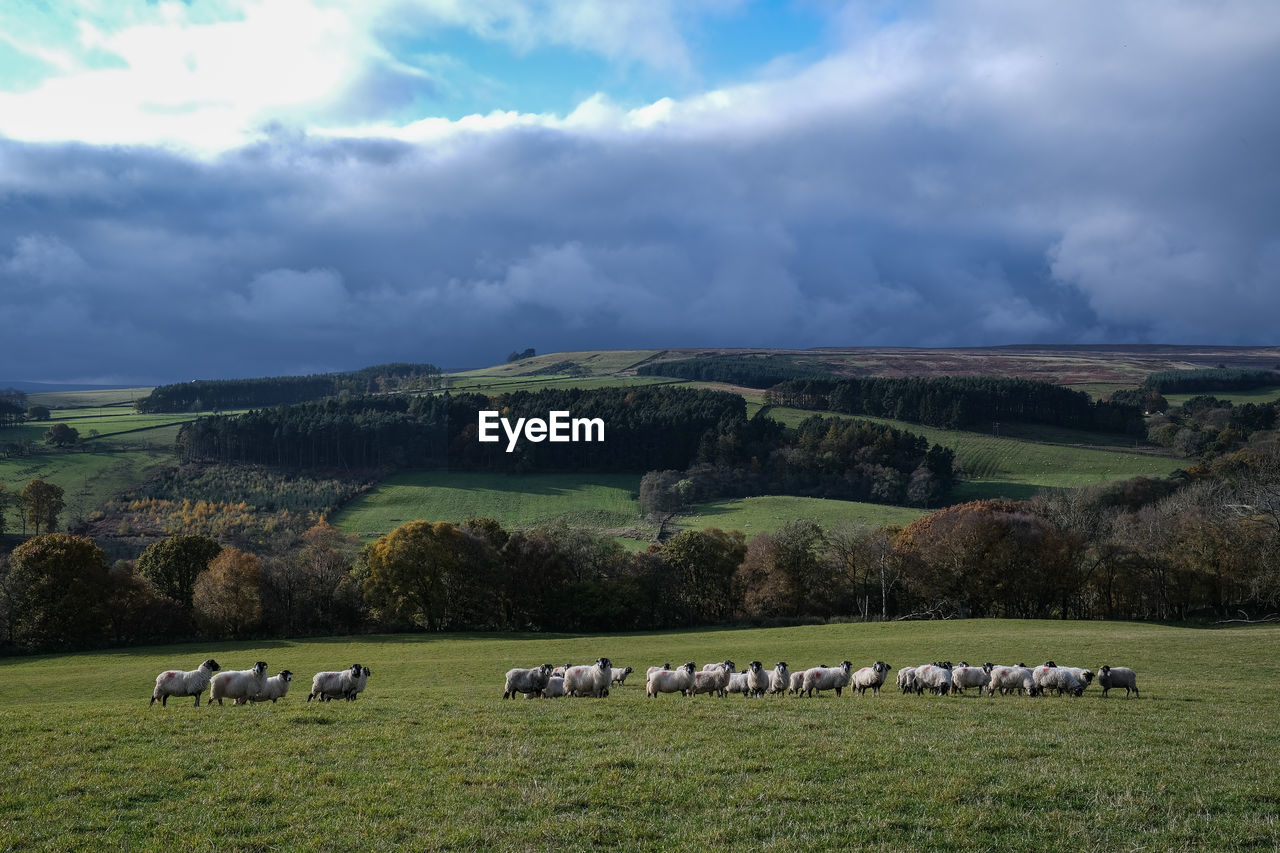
(719, 679)
(253, 685)
(722, 678)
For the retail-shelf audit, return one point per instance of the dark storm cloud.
(990, 178)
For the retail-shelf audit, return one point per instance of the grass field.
(767, 514)
(431, 757)
(999, 466)
(88, 480)
(1256, 395)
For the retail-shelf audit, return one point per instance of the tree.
(227, 598)
(59, 584)
(61, 435)
(6, 498)
(173, 565)
(309, 589)
(41, 503)
(432, 575)
(703, 564)
(38, 413)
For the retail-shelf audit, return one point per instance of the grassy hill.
(431, 756)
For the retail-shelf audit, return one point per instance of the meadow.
(431, 757)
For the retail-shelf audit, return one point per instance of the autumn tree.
(41, 503)
(173, 564)
(227, 597)
(312, 587)
(59, 584)
(430, 575)
(782, 574)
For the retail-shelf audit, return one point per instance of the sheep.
(711, 667)
(821, 678)
(934, 676)
(530, 682)
(1009, 678)
(907, 681)
(758, 678)
(330, 685)
(274, 688)
(1084, 676)
(678, 680)
(1057, 678)
(653, 669)
(1118, 676)
(359, 684)
(178, 682)
(620, 675)
(780, 679)
(238, 683)
(554, 688)
(714, 681)
(871, 676)
(558, 672)
(738, 683)
(591, 680)
(796, 683)
(965, 676)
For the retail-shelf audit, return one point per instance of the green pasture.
(767, 514)
(432, 758)
(502, 384)
(1255, 395)
(604, 501)
(88, 480)
(1000, 466)
(592, 362)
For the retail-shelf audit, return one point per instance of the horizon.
(259, 188)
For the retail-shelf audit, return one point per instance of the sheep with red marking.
(1011, 678)
(591, 680)
(530, 682)
(964, 676)
(238, 683)
(327, 686)
(678, 680)
(1050, 676)
(178, 682)
(934, 677)
(821, 678)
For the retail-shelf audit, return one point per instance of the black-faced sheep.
(591, 680)
(238, 683)
(821, 678)
(1118, 676)
(678, 680)
(870, 677)
(530, 682)
(177, 682)
(327, 686)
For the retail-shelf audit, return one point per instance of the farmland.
(432, 758)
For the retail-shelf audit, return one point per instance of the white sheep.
(1050, 676)
(331, 685)
(591, 680)
(796, 684)
(1010, 678)
(714, 681)
(738, 683)
(870, 677)
(907, 682)
(710, 667)
(653, 669)
(178, 682)
(936, 677)
(530, 682)
(620, 675)
(554, 688)
(758, 678)
(678, 680)
(821, 678)
(965, 676)
(1118, 676)
(238, 683)
(780, 679)
(275, 688)
(1084, 676)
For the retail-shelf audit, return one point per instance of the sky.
(238, 188)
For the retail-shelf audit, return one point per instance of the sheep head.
(260, 668)
(211, 665)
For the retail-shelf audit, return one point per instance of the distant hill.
(48, 387)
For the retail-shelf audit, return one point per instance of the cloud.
(1000, 173)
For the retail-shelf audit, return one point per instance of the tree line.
(215, 394)
(1204, 545)
(1210, 379)
(959, 402)
(751, 371)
